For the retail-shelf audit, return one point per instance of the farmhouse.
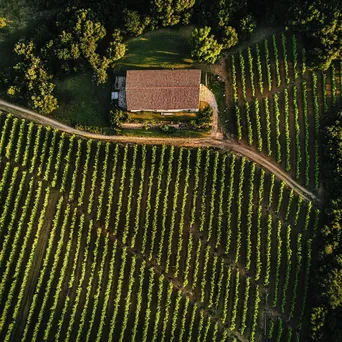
(163, 90)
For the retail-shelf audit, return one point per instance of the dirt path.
(225, 144)
(208, 96)
(258, 36)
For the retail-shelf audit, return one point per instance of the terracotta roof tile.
(162, 89)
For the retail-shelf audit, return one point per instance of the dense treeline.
(320, 22)
(89, 34)
(327, 313)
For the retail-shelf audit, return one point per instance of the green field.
(81, 102)
(161, 49)
(275, 104)
(146, 241)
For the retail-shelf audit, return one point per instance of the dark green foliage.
(247, 25)
(133, 23)
(31, 80)
(321, 23)
(116, 49)
(171, 12)
(76, 47)
(333, 283)
(204, 118)
(332, 135)
(229, 37)
(3, 22)
(167, 129)
(78, 36)
(205, 46)
(116, 117)
(218, 13)
(327, 311)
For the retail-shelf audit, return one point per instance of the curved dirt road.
(226, 144)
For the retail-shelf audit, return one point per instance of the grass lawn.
(164, 48)
(81, 102)
(155, 132)
(143, 116)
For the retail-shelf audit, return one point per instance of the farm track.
(225, 144)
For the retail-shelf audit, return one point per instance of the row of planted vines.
(275, 104)
(101, 241)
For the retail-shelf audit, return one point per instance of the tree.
(219, 13)
(327, 309)
(171, 12)
(318, 317)
(31, 80)
(78, 36)
(247, 25)
(321, 23)
(3, 22)
(133, 23)
(100, 75)
(333, 282)
(205, 46)
(230, 37)
(116, 48)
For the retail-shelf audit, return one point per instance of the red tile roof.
(163, 89)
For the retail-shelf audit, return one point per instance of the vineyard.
(101, 241)
(275, 103)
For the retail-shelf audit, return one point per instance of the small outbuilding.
(164, 91)
(115, 95)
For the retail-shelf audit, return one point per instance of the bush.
(204, 118)
(247, 25)
(230, 37)
(116, 117)
(167, 129)
(205, 46)
(3, 22)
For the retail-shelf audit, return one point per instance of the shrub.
(204, 118)
(205, 47)
(167, 128)
(229, 37)
(116, 117)
(3, 22)
(247, 25)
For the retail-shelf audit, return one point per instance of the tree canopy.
(205, 47)
(79, 35)
(31, 80)
(3, 22)
(327, 311)
(171, 12)
(229, 37)
(321, 22)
